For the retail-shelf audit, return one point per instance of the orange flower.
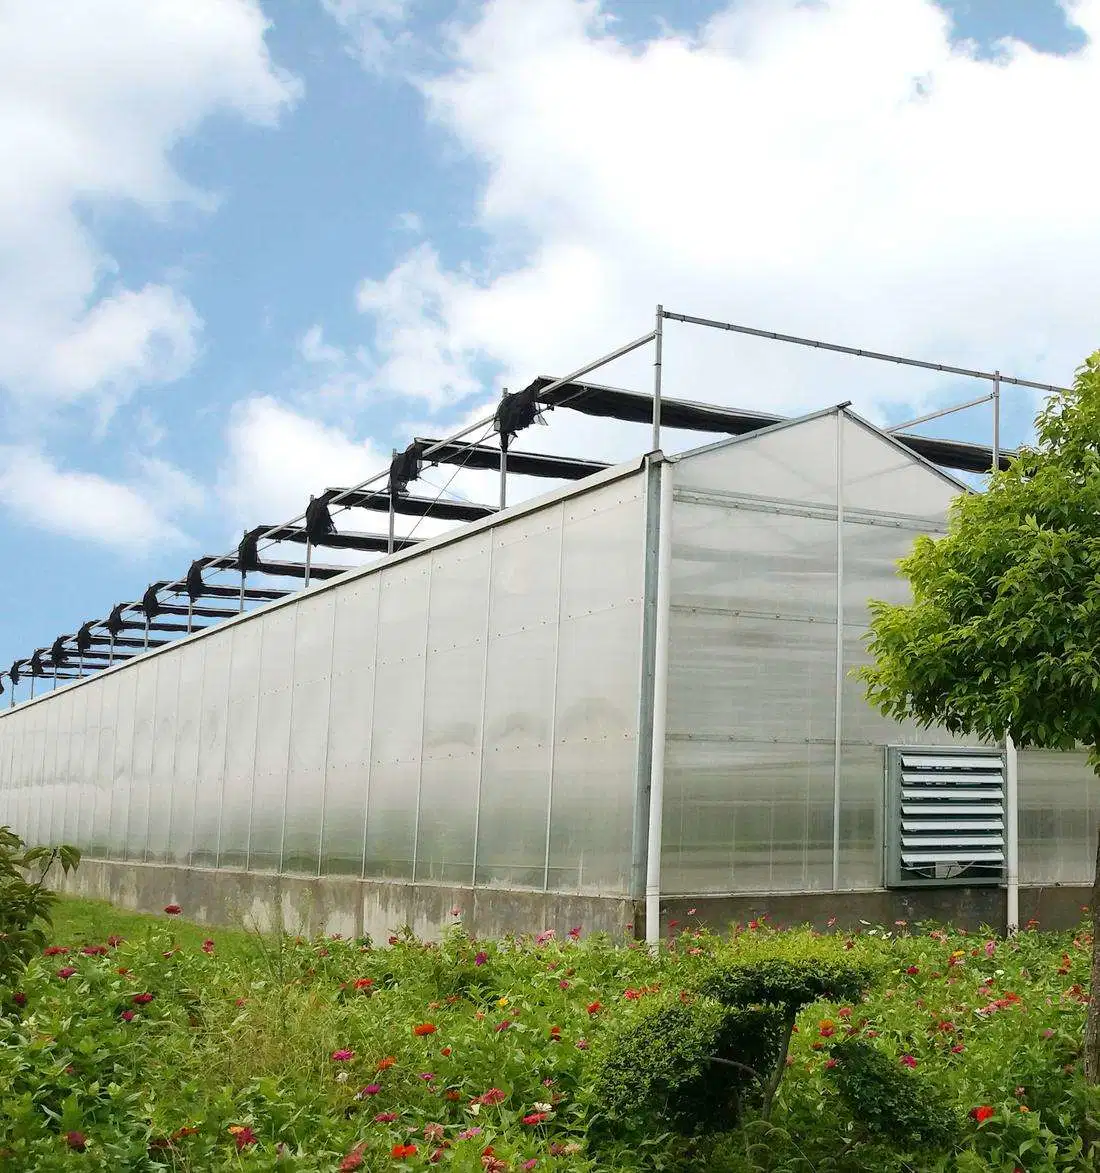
(983, 1112)
(594, 1008)
(389, 1061)
(403, 1150)
(425, 1028)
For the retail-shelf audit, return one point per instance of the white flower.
(544, 1107)
(342, 1077)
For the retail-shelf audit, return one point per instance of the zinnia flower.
(403, 1150)
(383, 1064)
(372, 1089)
(433, 1132)
(481, 958)
(425, 1028)
(354, 1160)
(469, 1133)
(908, 1060)
(385, 1118)
(142, 999)
(342, 1056)
(208, 946)
(76, 1140)
(173, 909)
(19, 998)
(594, 1007)
(535, 1117)
(243, 1135)
(493, 1096)
(66, 972)
(94, 950)
(982, 1112)
(54, 951)
(127, 1016)
(364, 983)
(115, 940)
(575, 932)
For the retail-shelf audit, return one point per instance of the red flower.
(66, 972)
(19, 998)
(243, 1136)
(76, 1140)
(354, 1160)
(94, 950)
(54, 951)
(425, 1028)
(575, 932)
(127, 1016)
(594, 1007)
(446, 1052)
(403, 1150)
(208, 946)
(142, 999)
(364, 983)
(452, 1095)
(385, 1118)
(173, 909)
(632, 995)
(983, 1112)
(493, 1096)
(535, 1117)
(372, 1089)
(908, 1060)
(503, 1025)
(913, 971)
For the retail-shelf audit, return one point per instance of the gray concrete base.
(963, 907)
(341, 904)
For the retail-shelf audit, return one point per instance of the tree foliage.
(1003, 633)
(25, 902)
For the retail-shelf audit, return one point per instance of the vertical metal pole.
(393, 494)
(32, 684)
(55, 676)
(111, 651)
(503, 471)
(838, 682)
(996, 421)
(190, 610)
(244, 575)
(658, 348)
(146, 632)
(1012, 837)
(309, 558)
(80, 665)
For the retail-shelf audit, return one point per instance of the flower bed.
(150, 1043)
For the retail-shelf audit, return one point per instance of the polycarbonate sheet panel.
(526, 564)
(308, 735)
(1059, 798)
(519, 691)
(185, 757)
(240, 743)
(794, 463)
(448, 809)
(515, 798)
(162, 779)
(747, 817)
(603, 549)
(862, 802)
(70, 831)
(402, 641)
(883, 477)
(871, 554)
(36, 773)
(101, 755)
(459, 595)
(860, 723)
(751, 679)
(351, 718)
(141, 757)
(51, 794)
(391, 819)
(123, 764)
(453, 702)
(213, 744)
(272, 739)
(747, 560)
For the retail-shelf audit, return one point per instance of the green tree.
(1003, 633)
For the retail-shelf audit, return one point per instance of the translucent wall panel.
(1059, 811)
(91, 802)
(213, 744)
(162, 775)
(186, 742)
(350, 722)
(747, 817)
(305, 778)
(862, 800)
(883, 477)
(240, 742)
(145, 676)
(51, 792)
(398, 719)
(750, 560)
(453, 704)
(269, 776)
(123, 764)
(795, 463)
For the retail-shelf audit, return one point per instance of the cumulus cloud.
(93, 98)
(131, 517)
(844, 170)
(375, 27)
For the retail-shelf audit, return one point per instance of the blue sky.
(247, 251)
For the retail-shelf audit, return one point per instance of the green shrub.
(684, 1064)
(789, 984)
(25, 904)
(890, 1101)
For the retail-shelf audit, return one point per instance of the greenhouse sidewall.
(464, 714)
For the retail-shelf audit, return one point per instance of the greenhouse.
(622, 699)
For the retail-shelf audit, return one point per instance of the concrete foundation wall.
(963, 907)
(337, 904)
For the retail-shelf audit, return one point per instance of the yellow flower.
(502, 1001)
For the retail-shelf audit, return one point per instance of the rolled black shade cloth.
(84, 637)
(515, 412)
(58, 652)
(37, 668)
(196, 588)
(150, 604)
(405, 467)
(114, 620)
(319, 523)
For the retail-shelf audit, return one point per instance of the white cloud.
(375, 27)
(841, 170)
(93, 99)
(129, 517)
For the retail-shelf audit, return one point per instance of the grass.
(323, 1055)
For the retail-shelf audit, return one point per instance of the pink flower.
(385, 1117)
(990, 948)
(581, 1044)
(433, 1132)
(427, 1076)
(372, 1089)
(142, 999)
(342, 1056)
(544, 936)
(469, 1133)
(575, 932)
(66, 972)
(536, 1117)
(503, 1025)
(493, 1096)
(94, 950)
(127, 1016)
(908, 1060)
(481, 958)
(529, 1164)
